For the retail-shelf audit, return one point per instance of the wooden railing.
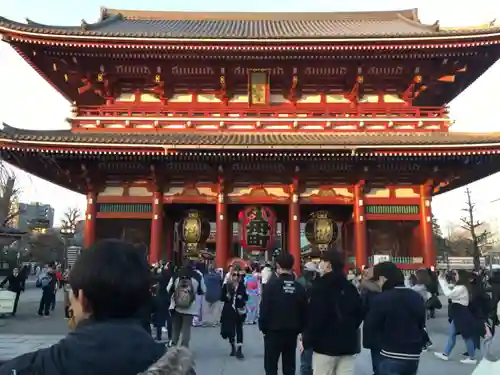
(203, 110)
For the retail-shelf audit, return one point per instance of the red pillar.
(90, 220)
(156, 228)
(221, 228)
(426, 227)
(294, 229)
(360, 250)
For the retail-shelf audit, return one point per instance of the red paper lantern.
(257, 228)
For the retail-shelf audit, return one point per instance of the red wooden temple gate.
(340, 112)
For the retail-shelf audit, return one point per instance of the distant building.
(35, 216)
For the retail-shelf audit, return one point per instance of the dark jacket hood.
(119, 347)
(116, 343)
(177, 361)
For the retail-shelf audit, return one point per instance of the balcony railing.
(190, 110)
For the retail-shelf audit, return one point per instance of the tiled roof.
(212, 25)
(228, 139)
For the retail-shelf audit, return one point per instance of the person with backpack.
(184, 289)
(47, 281)
(234, 311)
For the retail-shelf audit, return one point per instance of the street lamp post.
(67, 234)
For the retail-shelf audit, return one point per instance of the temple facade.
(192, 131)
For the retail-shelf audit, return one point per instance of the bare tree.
(71, 218)
(478, 235)
(46, 247)
(9, 194)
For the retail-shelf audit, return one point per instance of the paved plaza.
(27, 332)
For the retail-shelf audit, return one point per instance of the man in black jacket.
(110, 284)
(334, 316)
(282, 317)
(396, 319)
(15, 280)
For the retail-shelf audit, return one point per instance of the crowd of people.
(115, 298)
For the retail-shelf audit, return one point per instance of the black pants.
(67, 312)
(278, 344)
(53, 301)
(237, 332)
(45, 303)
(16, 303)
(168, 322)
(375, 354)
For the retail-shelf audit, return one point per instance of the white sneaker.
(468, 361)
(442, 356)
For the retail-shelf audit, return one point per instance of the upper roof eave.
(226, 140)
(403, 26)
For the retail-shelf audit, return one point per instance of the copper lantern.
(321, 230)
(194, 231)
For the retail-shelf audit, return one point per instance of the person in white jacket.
(462, 321)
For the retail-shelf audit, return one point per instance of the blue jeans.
(375, 354)
(306, 358)
(452, 340)
(390, 366)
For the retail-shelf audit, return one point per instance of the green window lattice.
(125, 207)
(393, 209)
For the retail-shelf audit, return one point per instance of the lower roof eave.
(159, 149)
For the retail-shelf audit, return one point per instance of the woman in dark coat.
(480, 306)
(161, 314)
(235, 297)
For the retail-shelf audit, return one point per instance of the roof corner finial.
(492, 22)
(103, 14)
(436, 25)
(84, 25)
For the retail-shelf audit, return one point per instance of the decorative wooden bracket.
(409, 94)
(353, 95)
(223, 89)
(159, 87)
(292, 96)
(101, 86)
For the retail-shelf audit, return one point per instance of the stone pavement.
(27, 332)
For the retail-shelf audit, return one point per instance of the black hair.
(335, 258)
(391, 272)
(285, 261)
(114, 278)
